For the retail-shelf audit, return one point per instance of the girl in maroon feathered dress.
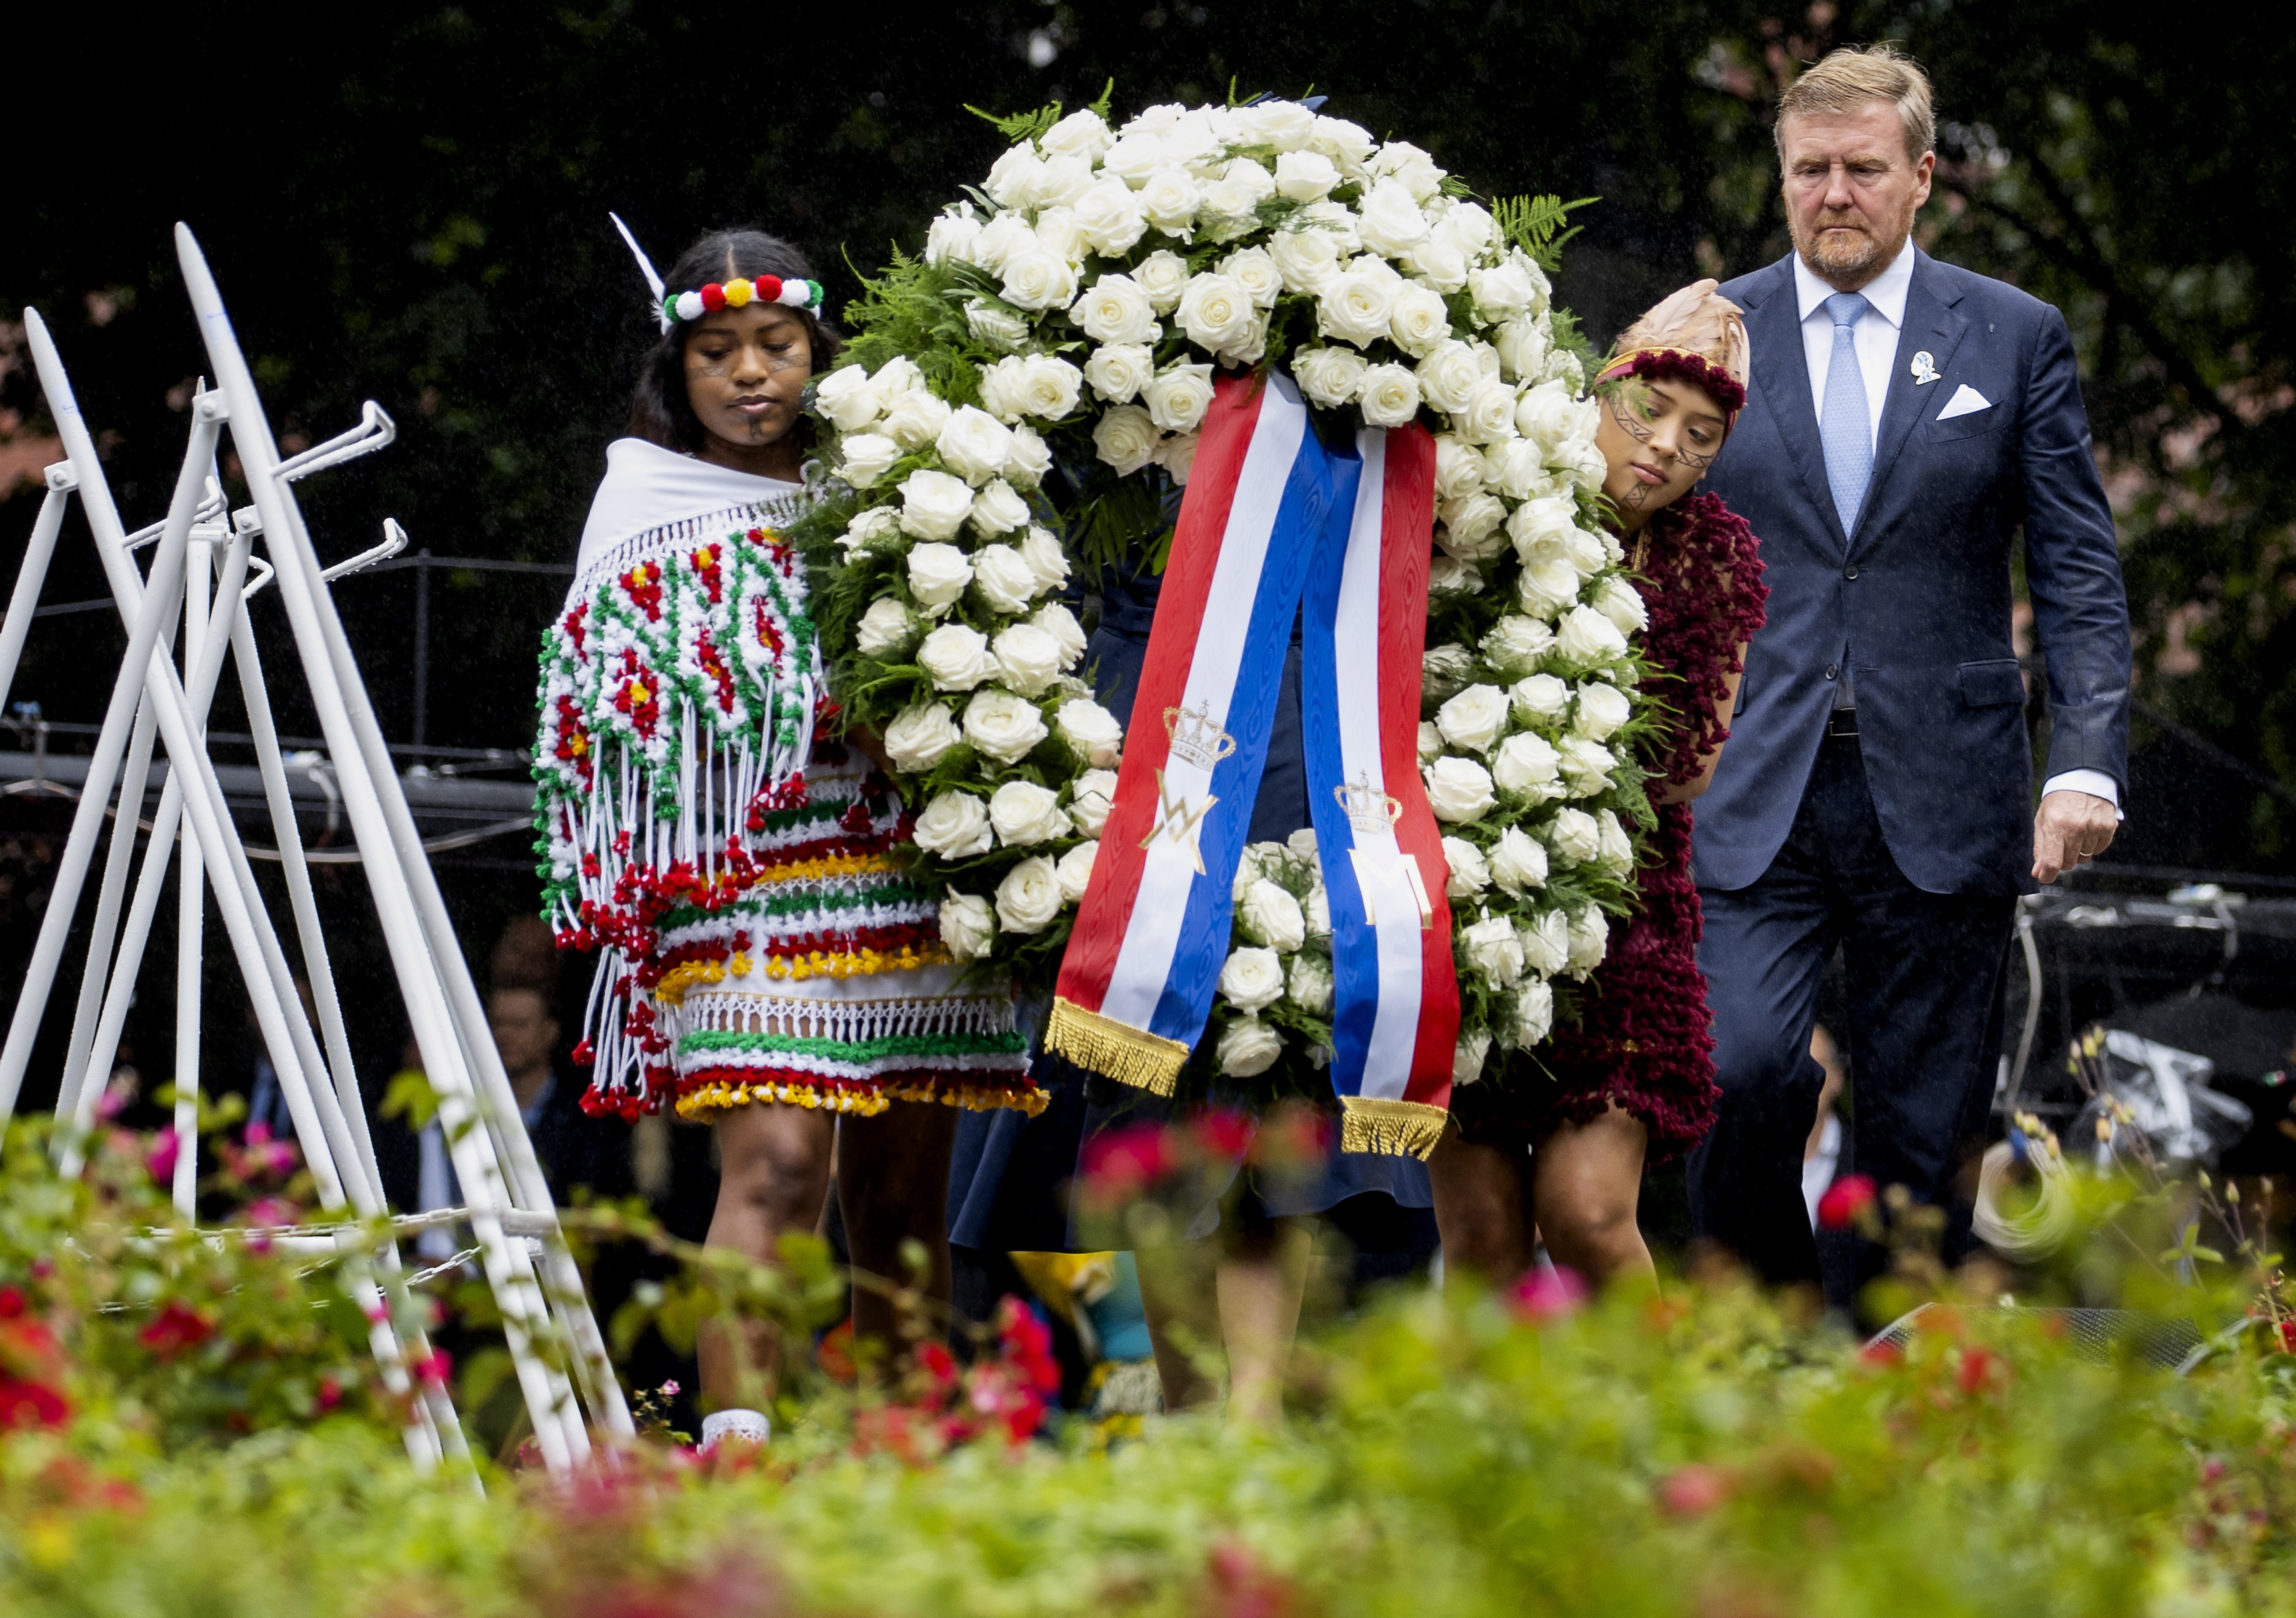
(1551, 1146)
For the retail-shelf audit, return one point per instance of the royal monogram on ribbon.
(1271, 515)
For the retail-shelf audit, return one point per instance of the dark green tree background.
(411, 205)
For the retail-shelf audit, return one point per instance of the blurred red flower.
(1844, 1200)
(175, 1328)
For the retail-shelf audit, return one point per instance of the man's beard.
(1848, 255)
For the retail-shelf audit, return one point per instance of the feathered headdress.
(1696, 335)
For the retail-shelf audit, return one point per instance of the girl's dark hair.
(660, 413)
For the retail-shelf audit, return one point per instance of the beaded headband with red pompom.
(1683, 365)
(738, 293)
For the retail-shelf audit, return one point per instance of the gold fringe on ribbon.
(1115, 1050)
(1392, 1128)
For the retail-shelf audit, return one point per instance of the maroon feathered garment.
(1642, 1037)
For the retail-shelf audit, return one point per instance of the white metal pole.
(39, 552)
(191, 916)
(558, 1429)
(103, 928)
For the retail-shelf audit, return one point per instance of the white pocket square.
(1969, 402)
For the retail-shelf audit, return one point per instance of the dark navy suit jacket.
(1921, 592)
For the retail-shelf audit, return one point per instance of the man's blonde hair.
(1849, 78)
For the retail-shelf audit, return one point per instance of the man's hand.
(2071, 827)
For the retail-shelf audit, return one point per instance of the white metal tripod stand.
(550, 1329)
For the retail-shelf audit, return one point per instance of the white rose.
(1471, 873)
(1031, 458)
(1449, 375)
(1449, 576)
(1012, 178)
(1491, 949)
(1547, 585)
(1035, 278)
(1501, 292)
(1440, 262)
(1458, 466)
(1163, 275)
(1303, 843)
(951, 237)
(998, 509)
(1125, 436)
(1459, 790)
(1028, 899)
(1309, 985)
(1028, 658)
(1134, 156)
(1430, 741)
(1410, 167)
(1534, 1014)
(934, 505)
(1474, 719)
(1307, 257)
(1390, 395)
(1519, 470)
(915, 417)
(1489, 415)
(1354, 307)
(1349, 145)
(1074, 870)
(1116, 310)
(1252, 269)
(1602, 709)
(1118, 371)
(1470, 527)
(1023, 813)
(1516, 643)
(1005, 579)
(1305, 177)
(1319, 911)
(1584, 635)
(1272, 916)
(1091, 729)
(1590, 939)
(992, 325)
(919, 738)
(1468, 1055)
(1538, 527)
(1622, 605)
(1108, 216)
(1617, 851)
(1547, 943)
(1526, 764)
(1523, 346)
(848, 397)
(1389, 221)
(956, 657)
(1517, 863)
(870, 526)
(968, 927)
(1177, 455)
(1050, 387)
(896, 377)
(1090, 798)
(1445, 669)
(1003, 389)
(1329, 377)
(1466, 225)
(1081, 133)
(937, 573)
(953, 827)
(886, 627)
(1002, 236)
(1170, 199)
(1586, 765)
(1248, 1048)
(972, 443)
(1236, 195)
(1251, 977)
(1546, 415)
(1059, 184)
(1540, 697)
(1284, 125)
(1587, 554)
(1419, 323)
(1574, 836)
(867, 456)
(1004, 726)
(1054, 619)
(1336, 220)
(1178, 397)
(1215, 311)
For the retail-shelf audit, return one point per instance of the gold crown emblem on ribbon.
(1196, 737)
(1371, 811)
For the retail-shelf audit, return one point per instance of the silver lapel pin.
(1924, 369)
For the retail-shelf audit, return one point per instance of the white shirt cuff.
(2095, 782)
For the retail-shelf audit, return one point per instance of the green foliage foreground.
(1705, 1452)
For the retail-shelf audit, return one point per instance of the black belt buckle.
(1842, 722)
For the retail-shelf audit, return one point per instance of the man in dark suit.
(1906, 419)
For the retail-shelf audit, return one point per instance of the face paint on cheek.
(1632, 424)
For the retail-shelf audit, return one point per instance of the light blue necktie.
(1845, 426)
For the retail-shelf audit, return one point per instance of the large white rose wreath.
(1017, 407)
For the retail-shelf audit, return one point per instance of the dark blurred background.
(409, 204)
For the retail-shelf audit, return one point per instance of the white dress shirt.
(1876, 336)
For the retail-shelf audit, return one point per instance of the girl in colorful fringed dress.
(1553, 1142)
(765, 965)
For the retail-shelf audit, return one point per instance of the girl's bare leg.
(1480, 1192)
(773, 1175)
(1260, 1282)
(1586, 1182)
(892, 1185)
